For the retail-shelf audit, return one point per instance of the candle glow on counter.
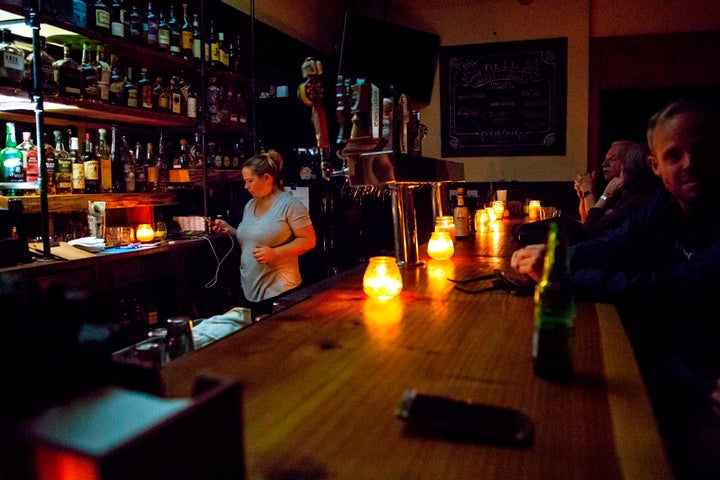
(534, 209)
(382, 279)
(144, 233)
(440, 246)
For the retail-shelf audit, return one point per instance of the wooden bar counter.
(322, 379)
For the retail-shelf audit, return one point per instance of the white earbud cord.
(213, 281)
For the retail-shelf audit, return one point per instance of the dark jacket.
(663, 274)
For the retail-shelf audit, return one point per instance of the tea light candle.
(492, 216)
(481, 218)
(382, 279)
(440, 246)
(446, 224)
(144, 233)
(499, 207)
(534, 209)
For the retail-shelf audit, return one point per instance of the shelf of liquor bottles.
(79, 202)
(16, 106)
(117, 80)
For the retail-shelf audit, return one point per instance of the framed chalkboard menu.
(504, 99)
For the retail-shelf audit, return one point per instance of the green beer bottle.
(554, 314)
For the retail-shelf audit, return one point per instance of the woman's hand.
(219, 225)
(264, 255)
(529, 261)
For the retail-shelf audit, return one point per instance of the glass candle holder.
(382, 279)
(534, 209)
(144, 233)
(446, 224)
(499, 207)
(440, 246)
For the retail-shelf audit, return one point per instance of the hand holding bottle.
(529, 261)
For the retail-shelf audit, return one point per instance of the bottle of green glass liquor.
(63, 166)
(553, 338)
(11, 157)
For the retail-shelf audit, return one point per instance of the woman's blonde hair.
(270, 162)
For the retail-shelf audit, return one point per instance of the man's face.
(686, 156)
(611, 166)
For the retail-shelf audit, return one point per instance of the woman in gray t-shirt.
(275, 230)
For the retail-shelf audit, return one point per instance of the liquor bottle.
(118, 152)
(210, 41)
(161, 96)
(79, 13)
(197, 38)
(213, 100)
(30, 158)
(210, 157)
(105, 161)
(50, 166)
(191, 101)
(554, 313)
(48, 81)
(88, 75)
(103, 72)
(163, 33)
(78, 168)
(69, 76)
(98, 17)
(227, 158)
(135, 21)
(196, 152)
(175, 29)
(11, 156)
(490, 194)
(223, 52)
(237, 57)
(461, 215)
(162, 166)
(91, 167)
(140, 169)
(232, 106)
(117, 82)
(215, 60)
(217, 157)
(128, 161)
(151, 20)
(145, 90)
(186, 35)
(175, 96)
(117, 19)
(182, 158)
(238, 154)
(12, 61)
(151, 169)
(130, 91)
(63, 166)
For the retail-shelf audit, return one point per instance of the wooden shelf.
(74, 203)
(16, 105)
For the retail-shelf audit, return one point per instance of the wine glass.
(160, 231)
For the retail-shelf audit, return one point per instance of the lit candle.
(534, 209)
(440, 246)
(492, 216)
(144, 233)
(382, 279)
(499, 207)
(446, 224)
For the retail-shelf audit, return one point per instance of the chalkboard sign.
(503, 99)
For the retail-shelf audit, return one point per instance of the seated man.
(625, 193)
(661, 268)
